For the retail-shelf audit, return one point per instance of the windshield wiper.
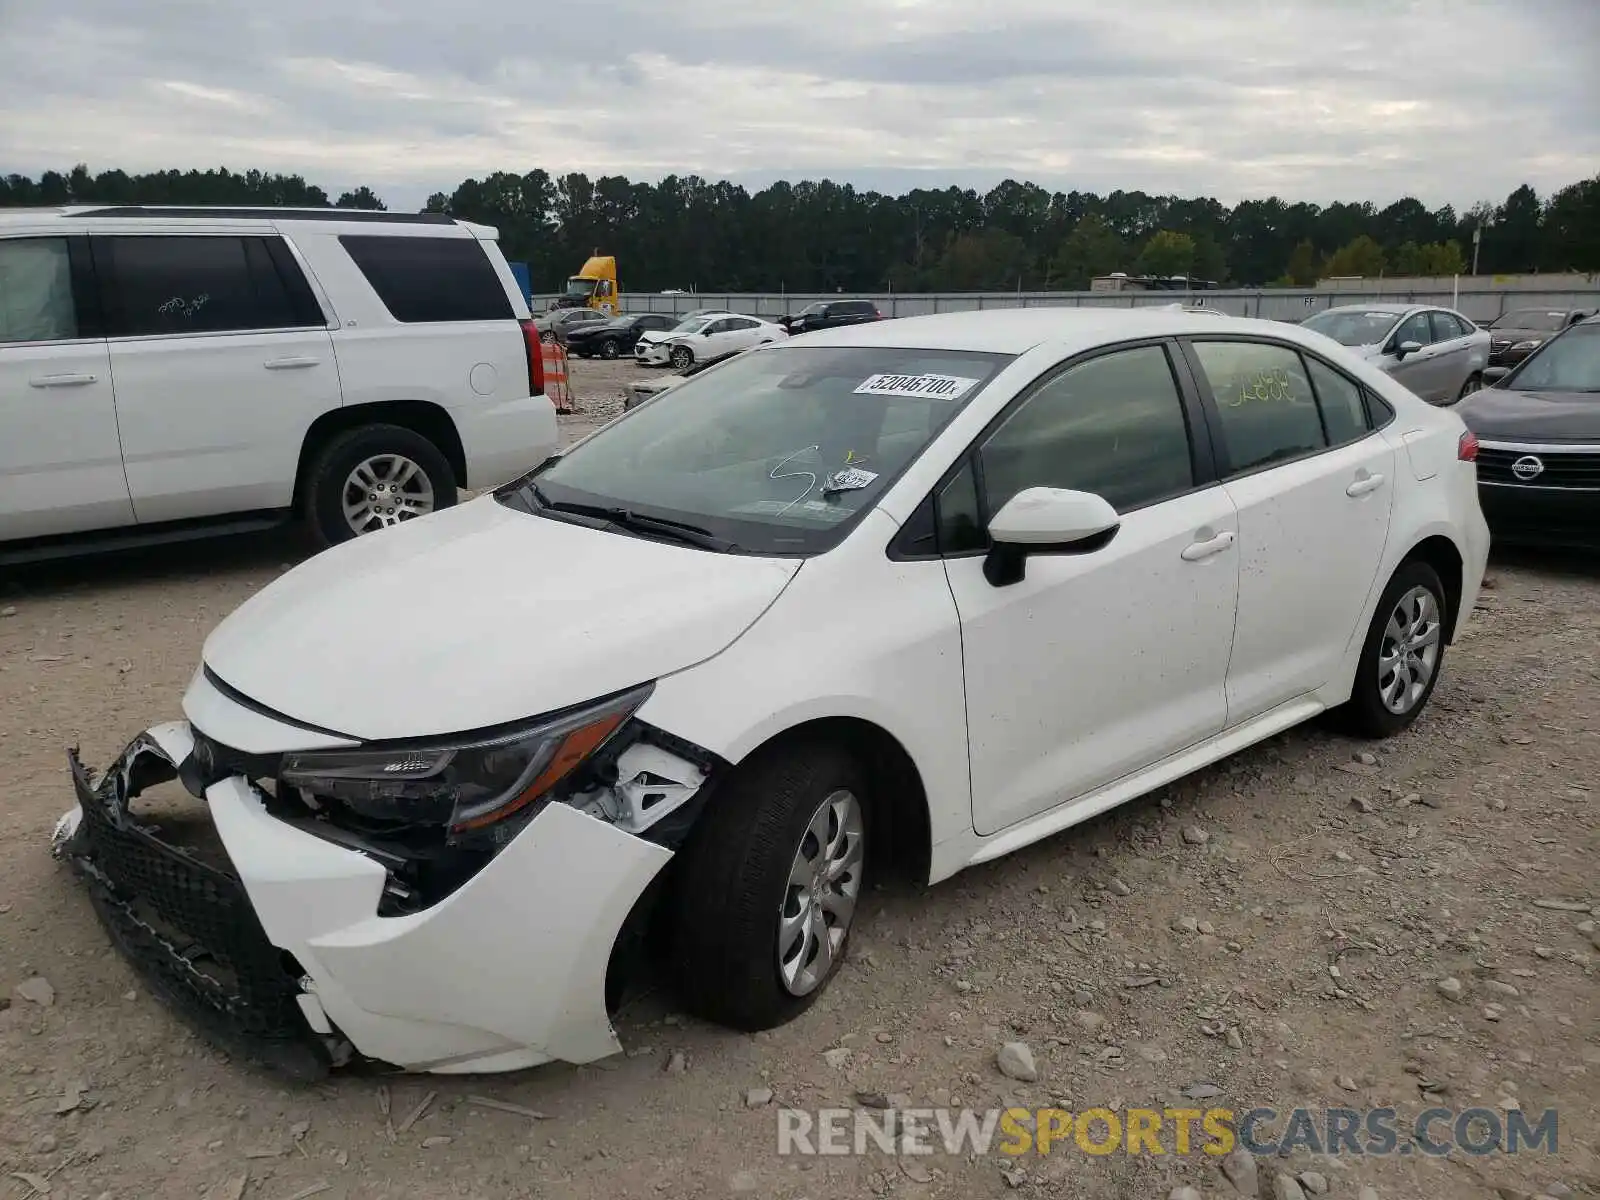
(626, 518)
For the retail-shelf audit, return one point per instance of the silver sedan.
(1436, 352)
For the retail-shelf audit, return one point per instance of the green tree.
(1091, 249)
(1166, 253)
(361, 197)
(1435, 258)
(1362, 257)
(1302, 269)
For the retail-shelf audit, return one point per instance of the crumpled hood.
(480, 615)
(1505, 415)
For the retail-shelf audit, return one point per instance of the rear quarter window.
(421, 279)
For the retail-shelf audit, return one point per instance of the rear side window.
(1264, 401)
(36, 291)
(200, 284)
(431, 278)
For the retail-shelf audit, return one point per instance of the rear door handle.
(1195, 551)
(44, 381)
(290, 364)
(1363, 485)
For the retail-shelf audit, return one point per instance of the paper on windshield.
(938, 387)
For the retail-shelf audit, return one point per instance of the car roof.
(88, 214)
(1376, 307)
(1018, 330)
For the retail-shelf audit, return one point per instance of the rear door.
(1313, 484)
(221, 360)
(60, 455)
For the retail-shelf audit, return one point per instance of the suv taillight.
(531, 342)
(1467, 447)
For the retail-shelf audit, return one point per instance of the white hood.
(480, 615)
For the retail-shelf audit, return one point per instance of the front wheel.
(768, 887)
(373, 477)
(1402, 654)
(608, 348)
(681, 358)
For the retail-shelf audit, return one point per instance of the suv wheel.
(768, 887)
(608, 348)
(681, 358)
(373, 477)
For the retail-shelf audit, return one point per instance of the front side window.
(1569, 363)
(692, 325)
(1113, 425)
(36, 291)
(777, 450)
(1264, 402)
(1414, 328)
(425, 279)
(164, 284)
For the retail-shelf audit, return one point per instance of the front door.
(1421, 369)
(221, 363)
(1313, 484)
(1097, 664)
(60, 456)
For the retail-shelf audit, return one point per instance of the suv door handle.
(290, 364)
(44, 381)
(1197, 550)
(1364, 484)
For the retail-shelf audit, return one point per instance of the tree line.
(688, 232)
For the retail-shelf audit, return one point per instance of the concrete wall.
(1480, 303)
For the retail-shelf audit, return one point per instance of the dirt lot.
(1273, 932)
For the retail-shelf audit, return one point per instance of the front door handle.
(1195, 551)
(1364, 484)
(44, 381)
(290, 364)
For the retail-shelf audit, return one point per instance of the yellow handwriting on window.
(1270, 386)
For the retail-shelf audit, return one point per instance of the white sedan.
(701, 337)
(909, 594)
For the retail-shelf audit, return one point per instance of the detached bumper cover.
(506, 972)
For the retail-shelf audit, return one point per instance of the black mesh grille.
(189, 929)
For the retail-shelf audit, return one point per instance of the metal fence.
(1281, 304)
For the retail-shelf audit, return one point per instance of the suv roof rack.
(264, 212)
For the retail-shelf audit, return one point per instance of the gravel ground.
(1281, 929)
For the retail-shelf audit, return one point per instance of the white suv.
(165, 372)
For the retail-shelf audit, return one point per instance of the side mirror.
(1044, 520)
(1405, 348)
(1493, 375)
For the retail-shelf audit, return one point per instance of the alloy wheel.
(820, 898)
(1408, 654)
(384, 490)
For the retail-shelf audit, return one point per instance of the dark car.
(1538, 430)
(615, 337)
(555, 326)
(1516, 334)
(827, 314)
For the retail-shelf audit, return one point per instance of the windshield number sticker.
(939, 387)
(848, 480)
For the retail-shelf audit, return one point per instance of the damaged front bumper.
(270, 940)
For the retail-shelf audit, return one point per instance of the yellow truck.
(595, 286)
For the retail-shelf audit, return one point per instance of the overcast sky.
(1307, 99)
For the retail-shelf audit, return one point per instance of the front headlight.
(462, 784)
(1529, 344)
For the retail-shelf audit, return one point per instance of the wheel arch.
(422, 417)
(1445, 557)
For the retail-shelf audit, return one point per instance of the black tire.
(609, 348)
(1469, 385)
(1366, 714)
(681, 358)
(332, 465)
(733, 879)
(547, 337)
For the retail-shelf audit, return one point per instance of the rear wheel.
(608, 348)
(681, 358)
(373, 477)
(768, 887)
(1472, 384)
(547, 337)
(1402, 655)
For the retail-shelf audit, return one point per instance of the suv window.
(1413, 329)
(198, 283)
(431, 278)
(1264, 400)
(36, 291)
(850, 308)
(1113, 425)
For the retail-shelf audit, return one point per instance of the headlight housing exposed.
(462, 784)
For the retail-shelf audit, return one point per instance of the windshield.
(812, 310)
(581, 288)
(1531, 318)
(1352, 327)
(692, 325)
(1569, 363)
(777, 451)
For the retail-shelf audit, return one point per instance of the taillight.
(1467, 447)
(877, 314)
(535, 348)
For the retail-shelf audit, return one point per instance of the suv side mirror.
(1043, 520)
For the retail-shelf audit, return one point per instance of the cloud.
(1305, 99)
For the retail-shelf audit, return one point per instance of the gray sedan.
(1436, 352)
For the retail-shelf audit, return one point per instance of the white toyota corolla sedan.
(912, 593)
